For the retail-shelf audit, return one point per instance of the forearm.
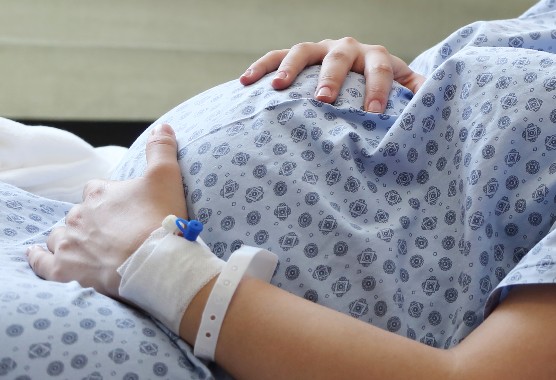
(267, 332)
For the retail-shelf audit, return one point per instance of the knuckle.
(377, 91)
(328, 79)
(270, 61)
(339, 56)
(53, 237)
(89, 185)
(161, 173)
(94, 189)
(348, 41)
(287, 65)
(74, 216)
(275, 53)
(165, 169)
(326, 76)
(302, 46)
(161, 139)
(269, 54)
(66, 245)
(379, 49)
(380, 69)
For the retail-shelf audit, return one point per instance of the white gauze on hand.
(166, 272)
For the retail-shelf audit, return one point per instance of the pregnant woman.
(411, 242)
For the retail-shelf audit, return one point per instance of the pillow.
(61, 330)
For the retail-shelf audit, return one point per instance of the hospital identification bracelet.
(251, 261)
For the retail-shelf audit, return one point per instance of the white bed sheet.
(51, 162)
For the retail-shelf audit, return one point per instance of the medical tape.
(164, 274)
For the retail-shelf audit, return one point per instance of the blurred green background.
(132, 60)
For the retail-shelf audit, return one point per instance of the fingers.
(288, 63)
(299, 56)
(381, 69)
(405, 76)
(338, 57)
(379, 75)
(264, 65)
(336, 65)
(54, 238)
(41, 261)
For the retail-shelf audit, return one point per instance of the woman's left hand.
(114, 219)
(338, 57)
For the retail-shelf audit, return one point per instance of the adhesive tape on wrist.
(252, 261)
(165, 273)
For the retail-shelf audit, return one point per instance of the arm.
(269, 331)
(286, 337)
(338, 57)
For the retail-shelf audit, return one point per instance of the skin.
(114, 217)
(338, 57)
(266, 327)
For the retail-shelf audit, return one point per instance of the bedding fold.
(51, 162)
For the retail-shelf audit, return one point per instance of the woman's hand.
(114, 219)
(338, 57)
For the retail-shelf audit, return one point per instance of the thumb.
(163, 174)
(162, 150)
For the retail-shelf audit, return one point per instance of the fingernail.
(247, 73)
(374, 106)
(163, 129)
(324, 92)
(281, 75)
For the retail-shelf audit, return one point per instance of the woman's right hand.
(338, 57)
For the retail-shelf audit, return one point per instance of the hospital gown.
(418, 220)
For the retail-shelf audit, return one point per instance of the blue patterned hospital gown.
(418, 220)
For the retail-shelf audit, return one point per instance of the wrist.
(164, 275)
(178, 281)
(245, 261)
(191, 320)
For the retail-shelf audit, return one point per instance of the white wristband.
(255, 262)
(166, 272)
